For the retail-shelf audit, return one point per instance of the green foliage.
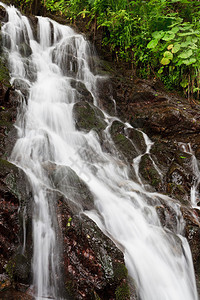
(158, 37)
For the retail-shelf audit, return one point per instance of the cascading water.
(159, 260)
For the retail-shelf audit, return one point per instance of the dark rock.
(73, 187)
(93, 265)
(14, 198)
(88, 117)
(3, 14)
(123, 144)
(83, 93)
(23, 86)
(192, 233)
(148, 171)
(137, 138)
(25, 50)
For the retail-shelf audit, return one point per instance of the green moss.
(120, 271)
(148, 172)
(89, 117)
(122, 292)
(10, 268)
(4, 73)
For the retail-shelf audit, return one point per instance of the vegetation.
(159, 38)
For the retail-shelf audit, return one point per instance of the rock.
(148, 171)
(83, 93)
(23, 86)
(3, 14)
(180, 177)
(105, 97)
(93, 265)
(25, 50)
(73, 187)
(192, 233)
(123, 144)
(138, 139)
(88, 117)
(14, 197)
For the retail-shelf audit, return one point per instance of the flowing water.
(44, 65)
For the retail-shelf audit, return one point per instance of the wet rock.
(137, 138)
(23, 86)
(88, 117)
(13, 198)
(25, 50)
(148, 171)
(180, 177)
(105, 97)
(83, 93)
(192, 233)
(93, 265)
(73, 187)
(123, 144)
(3, 14)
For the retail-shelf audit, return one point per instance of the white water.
(159, 261)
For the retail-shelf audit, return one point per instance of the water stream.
(159, 260)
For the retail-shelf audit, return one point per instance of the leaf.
(175, 29)
(188, 33)
(190, 61)
(152, 44)
(160, 70)
(185, 54)
(169, 35)
(168, 55)
(176, 48)
(158, 34)
(170, 47)
(184, 83)
(165, 61)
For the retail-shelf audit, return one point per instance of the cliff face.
(93, 266)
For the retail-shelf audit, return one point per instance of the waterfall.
(47, 63)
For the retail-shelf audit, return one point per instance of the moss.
(148, 172)
(88, 117)
(4, 73)
(122, 292)
(120, 271)
(10, 269)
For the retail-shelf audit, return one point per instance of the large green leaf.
(168, 55)
(152, 44)
(157, 34)
(169, 35)
(176, 48)
(189, 61)
(175, 29)
(165, 61)
(188, 33)
(185, 54)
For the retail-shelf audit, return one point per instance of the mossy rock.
(120, 271)
(88, 117)
(122, 143)
(72, 186)
(83, 93)
(19, 269)
(149, 173)
(137, 138)
(4, 73)
(25, 50)
(122, 292)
